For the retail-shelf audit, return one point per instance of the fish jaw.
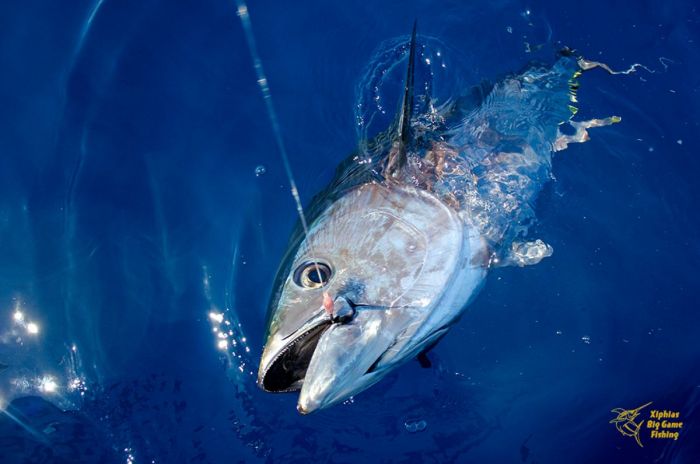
(344, 357)
(284, 360)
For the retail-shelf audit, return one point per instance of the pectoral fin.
(424, 361)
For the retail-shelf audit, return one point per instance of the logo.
(629, 424)
(625, 424)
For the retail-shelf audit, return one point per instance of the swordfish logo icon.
(625, 422)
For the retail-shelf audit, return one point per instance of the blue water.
(134, 230)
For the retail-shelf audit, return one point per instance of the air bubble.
(260, 170)
(415, 426)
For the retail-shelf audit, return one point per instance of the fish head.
(387, 257)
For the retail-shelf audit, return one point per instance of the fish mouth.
(288, 368)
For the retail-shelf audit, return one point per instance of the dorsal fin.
(397, 154)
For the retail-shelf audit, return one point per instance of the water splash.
(486, 152)
(496, 158)
(528, 253)
(438, 78)
(490, 162)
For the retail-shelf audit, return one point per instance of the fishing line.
(272, 115)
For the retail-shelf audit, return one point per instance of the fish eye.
(313, 274)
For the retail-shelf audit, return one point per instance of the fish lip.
(311, 335)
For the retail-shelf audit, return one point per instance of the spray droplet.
(260, 170)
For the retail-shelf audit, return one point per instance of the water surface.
(138, 240)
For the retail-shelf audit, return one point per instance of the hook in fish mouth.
(287, 370)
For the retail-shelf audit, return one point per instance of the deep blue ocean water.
(133, 225)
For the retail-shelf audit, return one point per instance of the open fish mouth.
(287, 370)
